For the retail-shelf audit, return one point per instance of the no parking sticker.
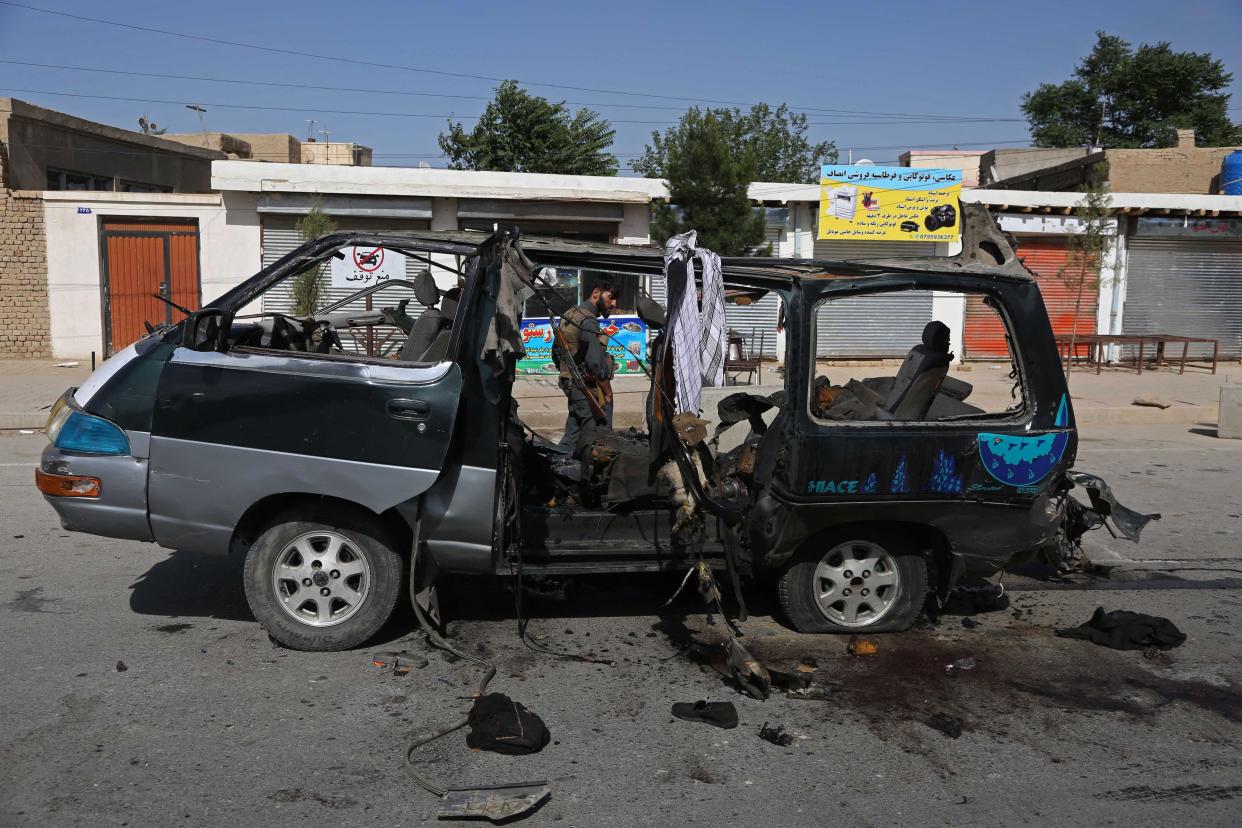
(366, 265)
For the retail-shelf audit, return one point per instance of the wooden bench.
(1095, 344)
(739, 358)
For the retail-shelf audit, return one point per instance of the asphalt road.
(209, 723)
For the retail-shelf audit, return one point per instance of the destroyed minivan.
(345, 477)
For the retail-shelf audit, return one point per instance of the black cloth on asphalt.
(720, 714)
(1125, 630)
(500, 724)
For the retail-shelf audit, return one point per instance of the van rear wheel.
(856, 581)
(323, 581)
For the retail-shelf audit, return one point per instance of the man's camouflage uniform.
(581, 335)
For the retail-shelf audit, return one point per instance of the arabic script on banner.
(627, 344)
(366, 265)
(889, 203)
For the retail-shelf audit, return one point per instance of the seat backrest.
(439, 346)
(426, 328)
(920, 375)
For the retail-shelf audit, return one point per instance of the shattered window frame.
(347, 356)
(1018, 412)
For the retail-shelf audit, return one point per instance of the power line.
(407, 93)
(357, 112)
(355, 61)
(310, 86)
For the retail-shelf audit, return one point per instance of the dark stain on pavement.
(299, 795)
(30, 600)
(907, 679)
(1177, 793)
(173, 628)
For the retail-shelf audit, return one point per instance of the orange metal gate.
(985, 334)
(141, 258)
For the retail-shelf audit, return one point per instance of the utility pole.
(1100, 126)
(202, 122)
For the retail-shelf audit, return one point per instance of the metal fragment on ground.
(498, 803)
(967, 663)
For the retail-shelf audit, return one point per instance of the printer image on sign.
(889, 203)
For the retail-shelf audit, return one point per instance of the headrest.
(936, 337)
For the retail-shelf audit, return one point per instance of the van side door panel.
(233, 428)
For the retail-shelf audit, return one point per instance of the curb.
(1141, 415)
(12, 421)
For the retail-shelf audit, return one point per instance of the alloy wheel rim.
(321, 579)
(856, 583)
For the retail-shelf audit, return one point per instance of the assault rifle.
(576, 377)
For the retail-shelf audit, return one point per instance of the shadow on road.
(193, 585)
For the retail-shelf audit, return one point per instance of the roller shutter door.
(1186, 287)
(280, 237)
(872, 326)
(757, 322)
(1045, 257)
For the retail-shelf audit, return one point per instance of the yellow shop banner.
(889, 203)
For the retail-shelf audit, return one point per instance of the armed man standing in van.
(588, 381)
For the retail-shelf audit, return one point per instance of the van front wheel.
(862, 581)
(323, 582)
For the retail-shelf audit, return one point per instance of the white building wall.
(229, 253)
(635, 227)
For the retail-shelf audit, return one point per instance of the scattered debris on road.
(719, 714)
(776, 735)
(398, 663)
(967, 663)
(121, 666)
(752, 677)
(499, 724)
(1149, 401)
(861, 646)
(950, 726)
(1125, 630)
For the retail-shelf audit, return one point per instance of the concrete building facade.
(252, 222)
(78, 292)
(1184, 168)
(968, 161)
(48, 150)
(336, 152)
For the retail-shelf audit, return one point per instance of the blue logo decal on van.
(1018, 460)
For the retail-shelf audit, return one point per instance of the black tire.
(366, 546)
(903, 599)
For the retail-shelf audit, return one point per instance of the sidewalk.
(29, 387)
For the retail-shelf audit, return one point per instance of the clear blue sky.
(940, 59)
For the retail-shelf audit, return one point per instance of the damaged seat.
(919, 378)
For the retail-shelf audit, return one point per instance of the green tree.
(707, 183)
(773, 142)
(1123, 97)
(520, 132)
(308, 286)
(1086, 249)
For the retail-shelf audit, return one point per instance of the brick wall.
(24, 319)
(1170, 170)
